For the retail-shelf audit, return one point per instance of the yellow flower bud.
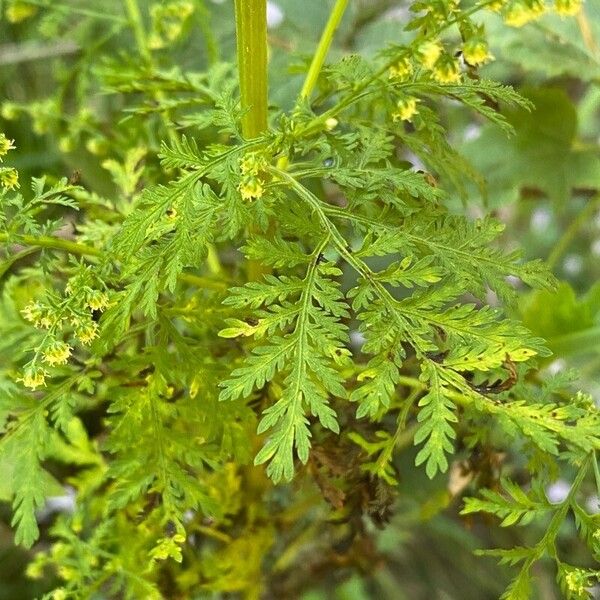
(429, 52)
(97, 300)
(567, 8)
(331, 123)
(476, 52)
(251, 188)
(406, 109)
(9, 178)
(57, 353)
(9, 111)
(446, 70)
(46, 322)
(20, 11)
(87, 332)
(96, 146)
(496, 6)
(65, 144)
(5, 145)
(402, 70)
(35, 569)
(519, 12)
(33, 377)
(251, 163)
(33, 312)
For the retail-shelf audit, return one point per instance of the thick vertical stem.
(323, 48)
(251, 29)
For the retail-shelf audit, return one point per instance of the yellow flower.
(567, 8)
(33, 312)
(446, 70)
(19, 11)
(96, 146)
(520, 13)
(35, 569)
(87, 332)
(251, 188)
(97, 300)
(33, 377)
(577, 581)
(9, 178)
(476, 52)
(9, 111)
(496, 6)
(5, 145)
(65, 144)
(57, 353)
(46, 322)
(406, 109)
(331, 123)
(66, 573)
(429, 52)
(251, 163)
(402, 70)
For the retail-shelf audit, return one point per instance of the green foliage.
(547, 155)
(199, 303)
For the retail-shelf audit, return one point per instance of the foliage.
(310, 299)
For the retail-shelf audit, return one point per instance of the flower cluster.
(57, 353)
(86, 332)
(9, 177)
(251, 186)
(440, 11)
(69, 317)
(168, 22)
(33, 376)
(520, 12)
(476, 52)
(429, 52)
(97, 300)
(5, 145)
(406, 109)
(16, 12)
(402, 70)
(567, 8)
(577, 580)
(444, 68)
(39, 315)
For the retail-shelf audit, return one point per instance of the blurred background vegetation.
(72, 116)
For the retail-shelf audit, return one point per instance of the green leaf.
(544, 152)
(308, 356)
(435, 417)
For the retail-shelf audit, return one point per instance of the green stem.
(596, 473)
(251, 33)
(323, 48)
(137, 24)
(44, 241)
(547, 543)
(388, 451)
(362, 89)
(73, 10)
(571, 232)
(251, 30)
